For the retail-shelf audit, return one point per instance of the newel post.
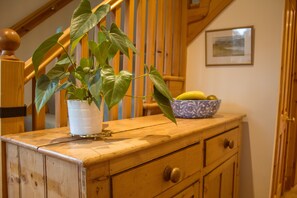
(11, 84)
(12, 107)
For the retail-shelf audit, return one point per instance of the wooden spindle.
(38, 118)
(150, 50)
(140, 45)
(168, 36)
(114, 112)
(128, 62)
(160, 37)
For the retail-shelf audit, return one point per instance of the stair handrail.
(64, 40)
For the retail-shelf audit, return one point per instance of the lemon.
(211, 97)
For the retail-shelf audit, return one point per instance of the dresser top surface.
(128, 136)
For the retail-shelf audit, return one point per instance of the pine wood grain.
(139, 145)
(187, 160)
(12, 94)
(13, 172)
(33, 182)
(139, 61)
(128, 62)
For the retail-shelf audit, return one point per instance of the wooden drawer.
(139, 181)
(218, 146)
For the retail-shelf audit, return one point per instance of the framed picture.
(233, 46)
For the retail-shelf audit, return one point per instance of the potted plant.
(92, 79)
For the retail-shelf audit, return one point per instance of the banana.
(192, 95)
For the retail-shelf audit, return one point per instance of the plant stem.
(72, 63)
(141, 76)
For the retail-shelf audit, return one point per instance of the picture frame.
(231, 46)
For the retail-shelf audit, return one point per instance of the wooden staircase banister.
(160, 30)
(57, 50)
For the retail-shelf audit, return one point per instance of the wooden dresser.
(144, 157)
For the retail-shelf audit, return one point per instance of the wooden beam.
(198, 19)
(35, 18)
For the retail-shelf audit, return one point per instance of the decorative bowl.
(195, 108)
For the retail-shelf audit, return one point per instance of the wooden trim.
(197, 22)
(173, 78)
(197, 13)
(283, 173)
(35, 18)
(151, 105)
(3, 170)
(183, 50)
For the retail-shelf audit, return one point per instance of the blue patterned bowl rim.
(195, 108)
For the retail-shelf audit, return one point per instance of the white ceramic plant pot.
(84, 119)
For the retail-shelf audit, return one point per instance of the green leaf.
(164, 105)
(159, 83)
(114, 87)
(64, 60)
(99, 53)
(77, 93)
(115, 30)
(95, 84)
(41, 51)
(86, 62)
(104, 52)
(74, 43)
(119, 41)
(101, 37)
(92, 46)
(56, 72)
(60, 68)
(98, 102)
(84, 20)
(81, 75)
(45, 88)
(64, 85)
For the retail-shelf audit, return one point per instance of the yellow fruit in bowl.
(191, 95)
(211, 97)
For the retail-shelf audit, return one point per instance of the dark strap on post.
(10, 112)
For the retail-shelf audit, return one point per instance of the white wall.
(252, 90)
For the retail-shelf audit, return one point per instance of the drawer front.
(152, 178)
(218, 146)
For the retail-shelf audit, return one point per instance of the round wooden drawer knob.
(172, 174)
(228, 144)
